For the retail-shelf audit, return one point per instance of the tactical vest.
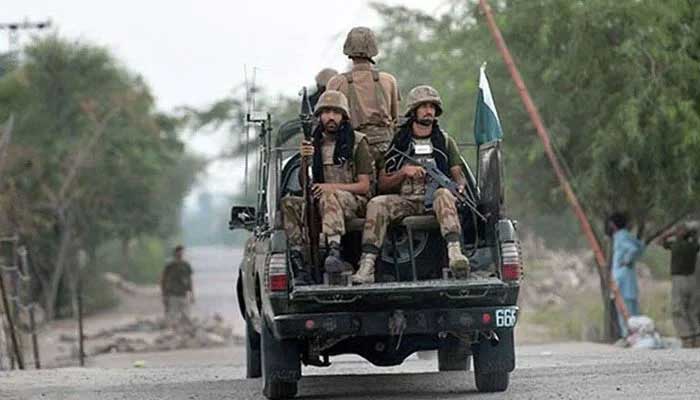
(344, 173)
(375, 130)
(422, 150)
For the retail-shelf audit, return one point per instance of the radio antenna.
(247, 129)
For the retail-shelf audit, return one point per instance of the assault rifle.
(439, 180)
(312, 221)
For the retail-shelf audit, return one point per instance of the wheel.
(454, 357)
(239, 295)
(252, 351)
(493, 382)
(281, 366)
(493, 362)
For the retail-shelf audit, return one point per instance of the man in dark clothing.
(176, 288)
(684, 251)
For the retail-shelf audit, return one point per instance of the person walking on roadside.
(683, 244)
(627, 249)
(176, 289)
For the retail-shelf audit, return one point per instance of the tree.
(91, 159)
(615, 81)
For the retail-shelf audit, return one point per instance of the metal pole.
(35, 341)
(32, 321)
(544, 137)
(10, 323)
(81, 336)
(79, 289)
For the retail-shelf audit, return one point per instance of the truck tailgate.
(446, 292)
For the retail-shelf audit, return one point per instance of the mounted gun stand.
(6, 304)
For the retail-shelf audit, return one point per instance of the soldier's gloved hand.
(306, 149)
(460, 188)
(412, 171)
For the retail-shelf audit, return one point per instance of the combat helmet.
(423, 94)
(324, 76)
(361, 43)
(333, 99)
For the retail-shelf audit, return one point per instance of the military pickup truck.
(415, 304)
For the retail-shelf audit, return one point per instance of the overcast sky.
(194, 52)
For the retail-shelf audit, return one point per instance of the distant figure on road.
(626, 250)
(176, 288)
(684, 253)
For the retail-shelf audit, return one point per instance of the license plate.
(506, 318)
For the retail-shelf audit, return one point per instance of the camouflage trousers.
(177, 311)
(335, 207)
(683, 306)
(387, 209)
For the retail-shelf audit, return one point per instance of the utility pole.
(601, 261)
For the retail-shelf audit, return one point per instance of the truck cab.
(415, 303)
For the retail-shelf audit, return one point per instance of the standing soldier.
(373, 95)
(684, 253)
(341, 171)
(322, 79)
(176, 288)
(420, 137)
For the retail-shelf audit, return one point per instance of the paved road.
(214, 279)
(560, 371)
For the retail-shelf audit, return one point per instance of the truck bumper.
(417, 322)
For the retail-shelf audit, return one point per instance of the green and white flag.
(487, 125)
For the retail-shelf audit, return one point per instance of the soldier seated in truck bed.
(421, 137)
(342, 166)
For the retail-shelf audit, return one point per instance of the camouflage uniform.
(335, 206)
(383, 210)
(684, 252)
(373, 95)
(387, 209)
(176, 282)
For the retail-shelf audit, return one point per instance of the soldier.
(684, 253)
(373, 95)
(341, 171)
(176, 289)
(421, 137)
(322, 79)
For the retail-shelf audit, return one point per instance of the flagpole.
(546, 142)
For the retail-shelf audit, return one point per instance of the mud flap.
(280, 358)
(489, 359)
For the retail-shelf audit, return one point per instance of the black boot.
(334, 264)
(301, 276)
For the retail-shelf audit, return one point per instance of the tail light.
(277, 278)
(511, 261)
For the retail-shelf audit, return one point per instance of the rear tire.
(281, 366)
(493, 362)
(454, 357)
(493, 382)
(252, 351)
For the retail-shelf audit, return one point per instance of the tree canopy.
(615, 81)
(91, 159)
